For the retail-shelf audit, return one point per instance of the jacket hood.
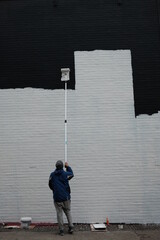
(58, 171)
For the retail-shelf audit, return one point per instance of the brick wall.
(40, 37)
(115, 156)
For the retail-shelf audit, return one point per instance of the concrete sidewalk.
(80, 235)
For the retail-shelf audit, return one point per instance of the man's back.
(59, 184)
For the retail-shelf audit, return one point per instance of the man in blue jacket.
(58, 183)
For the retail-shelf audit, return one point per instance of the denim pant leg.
(59, 210)
(67, 211)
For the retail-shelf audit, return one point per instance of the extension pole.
(65, 123)
(65, 78)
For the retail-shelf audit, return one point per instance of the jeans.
(63, 207)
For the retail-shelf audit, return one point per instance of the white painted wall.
(115, 156)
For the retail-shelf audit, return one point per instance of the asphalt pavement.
(128, 233)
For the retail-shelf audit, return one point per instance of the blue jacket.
(58, 183)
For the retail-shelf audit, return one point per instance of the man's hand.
(66, 164)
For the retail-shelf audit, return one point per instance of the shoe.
(70, 230)
(61, 233)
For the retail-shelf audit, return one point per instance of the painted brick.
(115, 156)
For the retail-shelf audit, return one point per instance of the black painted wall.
(39, 37)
